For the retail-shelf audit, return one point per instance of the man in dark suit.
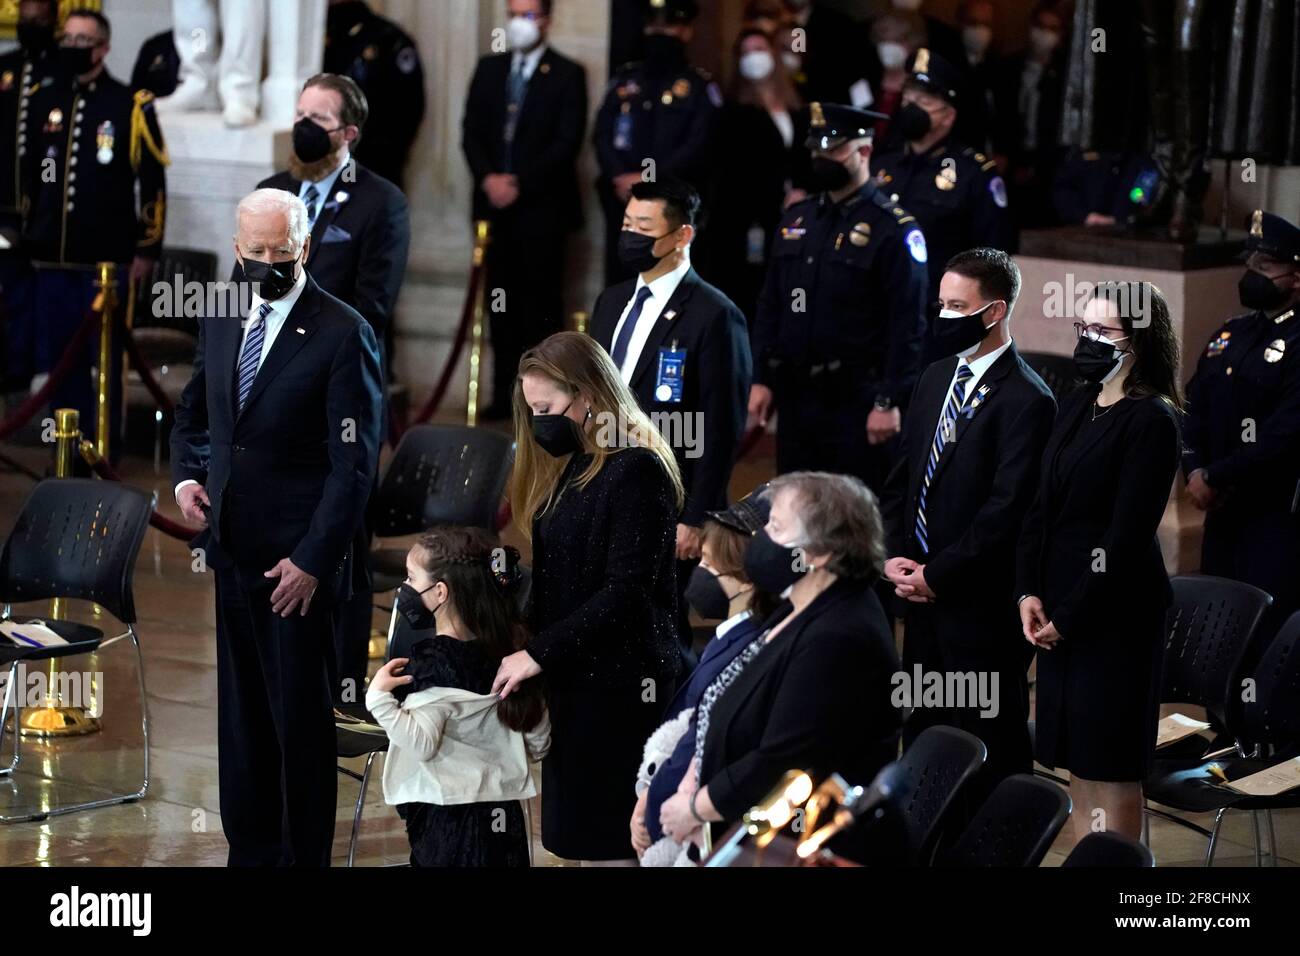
(683, 349)
(524, 121)
(361, 234)
(273, 452)
(954, 505)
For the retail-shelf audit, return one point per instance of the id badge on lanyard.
(672, 367)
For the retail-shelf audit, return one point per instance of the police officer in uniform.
(92, 145)
(662, 109)
(954, 191)
(1242, 431)
(23, 71)
(383, 60)
(840, 324)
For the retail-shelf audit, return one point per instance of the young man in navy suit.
(954, 505)
(683, 348)
(273, 452)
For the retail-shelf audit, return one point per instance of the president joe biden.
(273, 452)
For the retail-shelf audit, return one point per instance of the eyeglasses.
(1095, 328)
(81, 40)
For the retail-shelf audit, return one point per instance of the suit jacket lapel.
(974, 403)
(532, 87)
(329, 211)
(289, 340)
(223, 342)
(666, 322)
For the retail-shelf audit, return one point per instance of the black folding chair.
(75, 538)
(1272, 721)
(1109, 849)
(1057, 371)
(935, 767)
(1015, 826)
(439, 474)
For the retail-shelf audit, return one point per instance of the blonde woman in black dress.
(598, 490)
(1092, 579)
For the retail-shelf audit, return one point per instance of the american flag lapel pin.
(301, 331)
(670, 315)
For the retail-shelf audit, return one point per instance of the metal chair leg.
(144, 727)
(1214, 837)
(10, 696)
(361, 803)
(528, 817)
(1272, 838)
(1254, 823)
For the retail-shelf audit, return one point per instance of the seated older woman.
(813, 691)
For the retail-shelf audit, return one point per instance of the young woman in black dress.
(1092, 579)
(458, 758)
(597, 488)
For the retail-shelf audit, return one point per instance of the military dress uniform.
(841, 321)
(90, 150)
(954, 192)
(383, 60)
(668, 116)
(1243, 428)
(22, 75)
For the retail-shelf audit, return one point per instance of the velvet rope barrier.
(101, 467)
(138, 363)
(40, 398)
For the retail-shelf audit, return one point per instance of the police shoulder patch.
(916, 245)
(407, 60)
(999, 190)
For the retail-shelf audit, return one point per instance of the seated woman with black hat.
(458, 756)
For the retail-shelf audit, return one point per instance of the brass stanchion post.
(482, 234)
(580, 322)
(105, 303)
(55, 719)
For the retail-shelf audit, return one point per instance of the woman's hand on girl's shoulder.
(386, 678)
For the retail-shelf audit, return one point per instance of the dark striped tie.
(942, 435)
(619, 355)
(251, 357)
(309, 199)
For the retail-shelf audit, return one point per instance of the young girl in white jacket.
(458, 758)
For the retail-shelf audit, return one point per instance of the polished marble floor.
(178, 822)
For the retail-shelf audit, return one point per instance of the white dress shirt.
(661, 290)
(977, 369)
(324, 185)
(721, 630)
(529, 61)
(275, 320)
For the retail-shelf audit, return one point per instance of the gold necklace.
(1095, 406)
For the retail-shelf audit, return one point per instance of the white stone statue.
(223, 44)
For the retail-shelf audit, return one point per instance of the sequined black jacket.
(604, 599)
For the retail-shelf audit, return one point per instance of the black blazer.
(715, 381)
(289, 476)
(603, 606)
(1115, 504)
(359, 244)
(816, 699)
(548, 138)
(983, 484)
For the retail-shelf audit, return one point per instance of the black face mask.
(274, 279)
(771, 566)
(1258, 291)
(77, 60)
(1096, 360)
(636, 251)
(955, 336)
(311, 141)
(704, 592)
(35, 38)
(913, 122)
(558, 435)
(829, 175)
(661, 49)
(411, 606)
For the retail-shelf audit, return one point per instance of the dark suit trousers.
(529, 269)
(1006, 735)
(277, 750)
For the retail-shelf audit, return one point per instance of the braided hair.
(482, 579)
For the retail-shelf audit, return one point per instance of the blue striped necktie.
(309, 199)
(943, 434)
(251, 357)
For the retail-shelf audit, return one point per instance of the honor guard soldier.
(158, 65)
(1242, 431)
(954, 191)
(841, 320)
(383, 60)
(661, 109)
(24, 71)
(92, 147)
